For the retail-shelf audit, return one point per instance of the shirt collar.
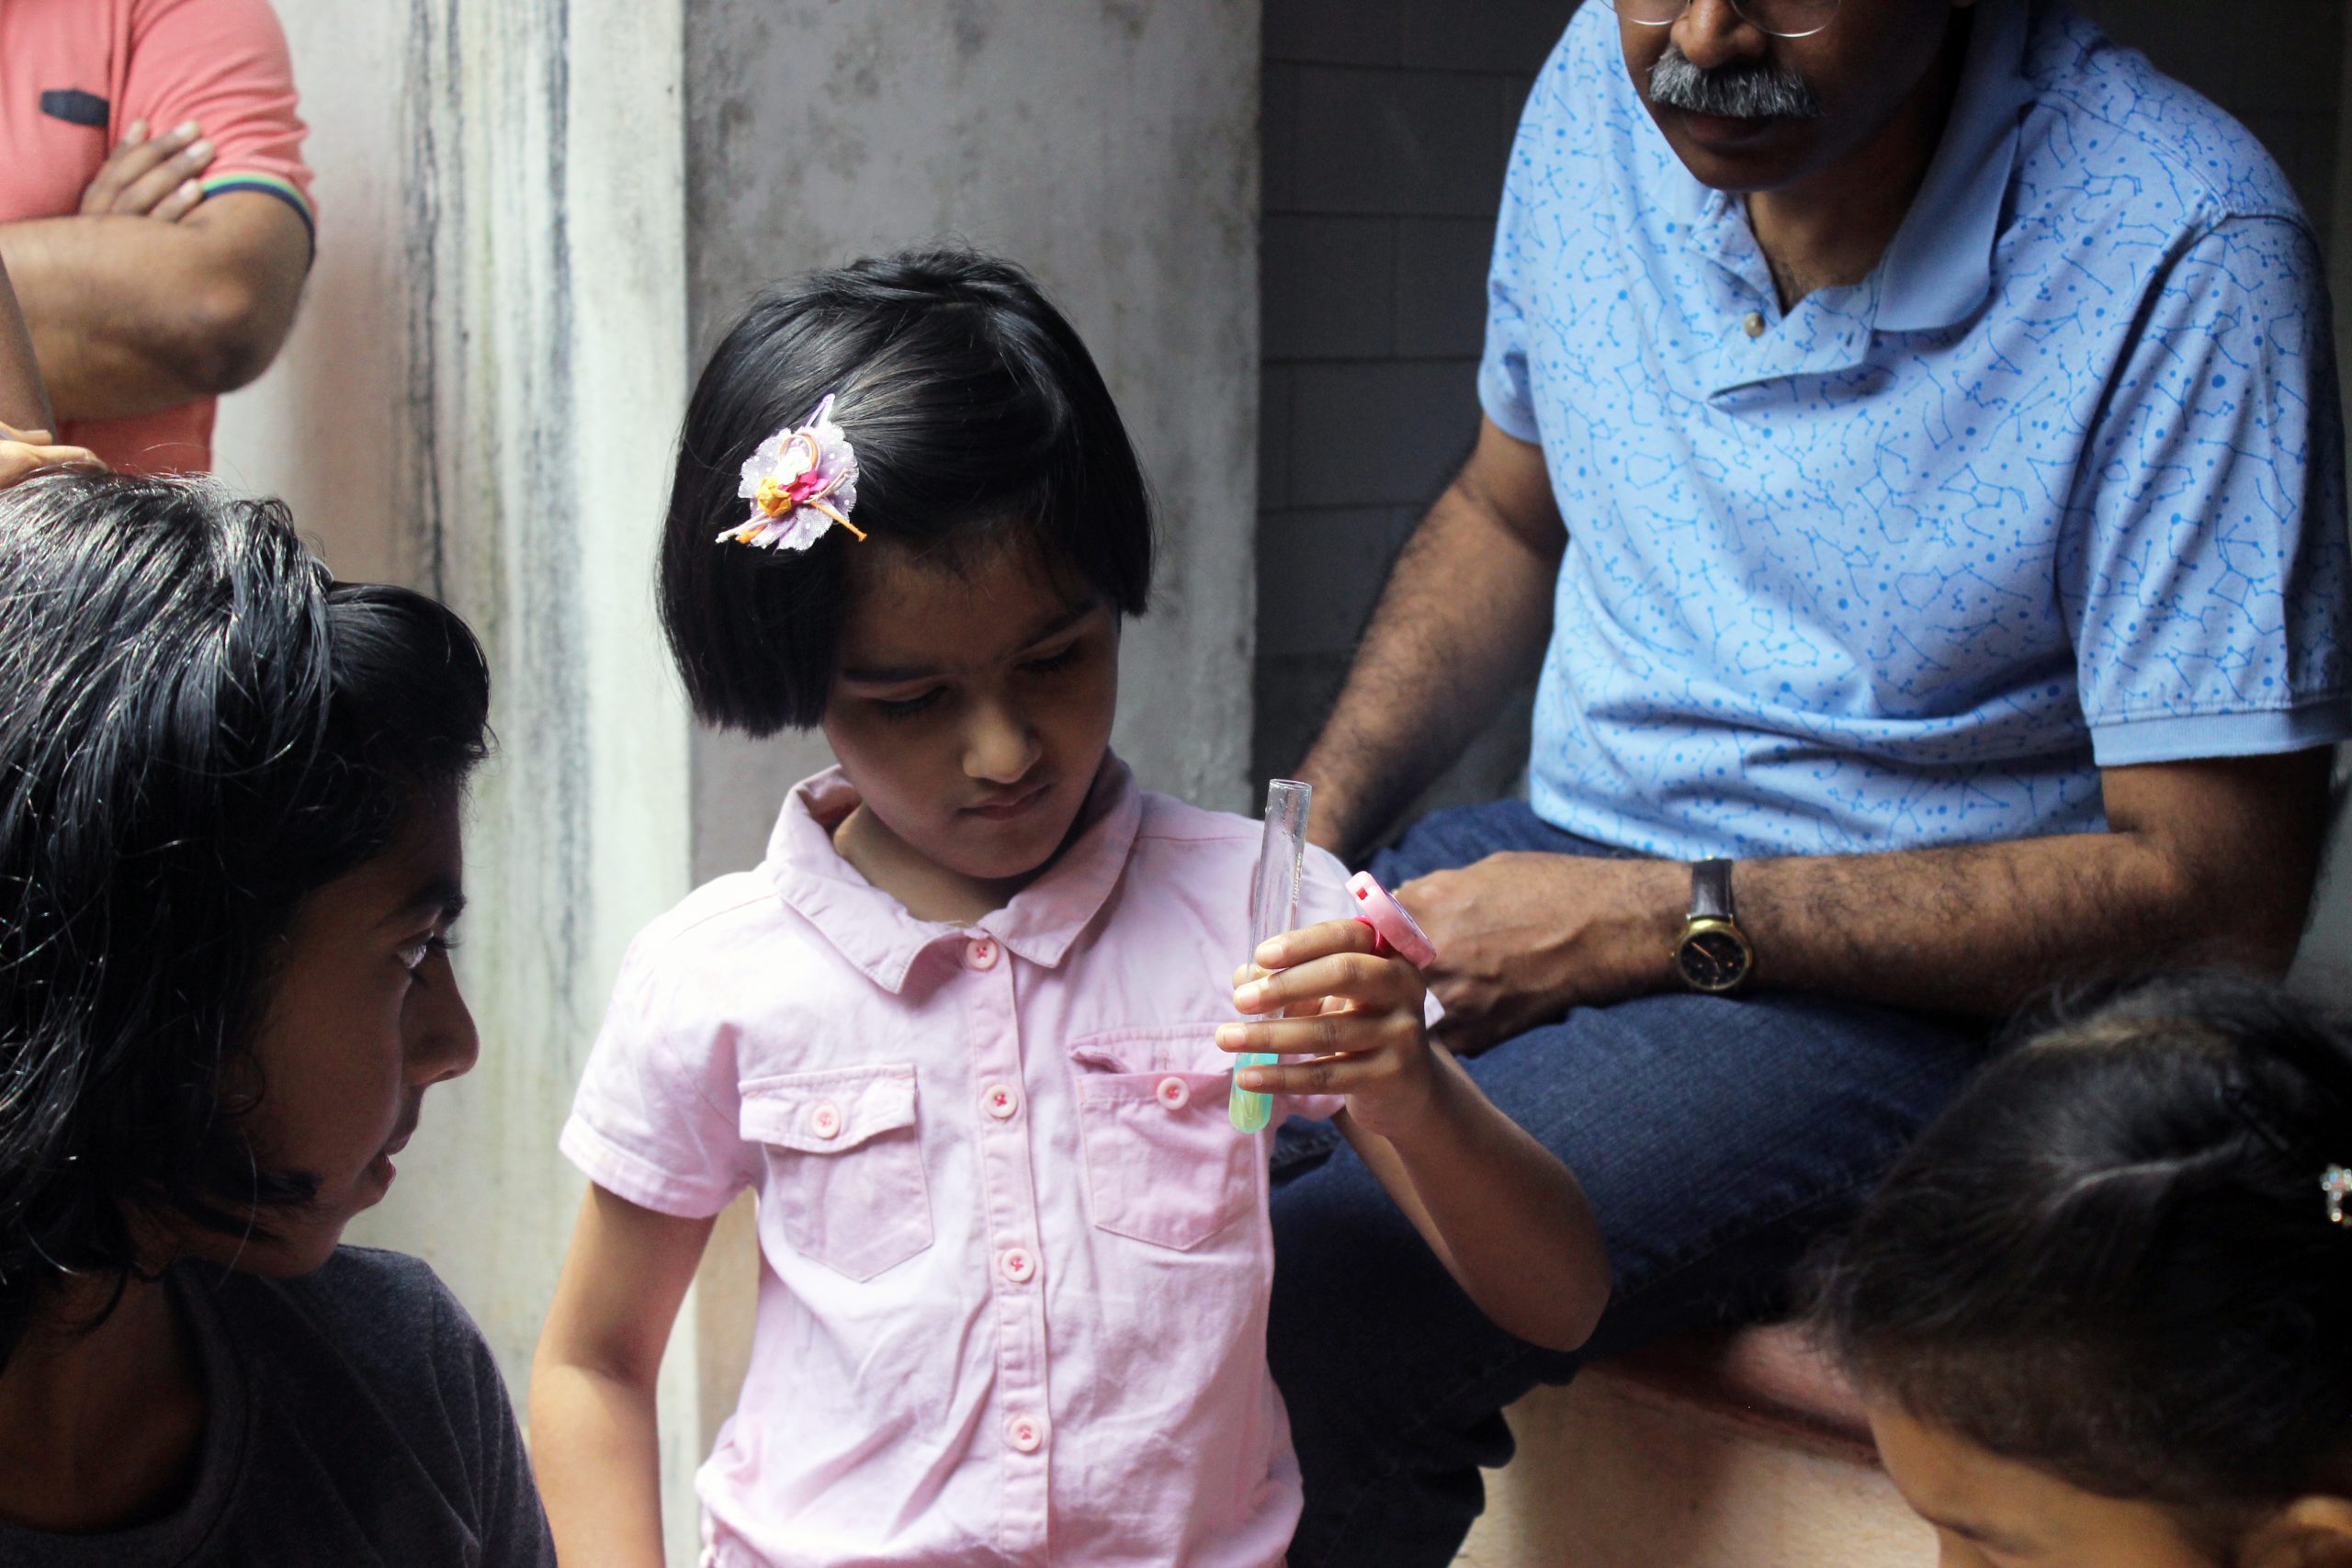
(1939, 267)
(874, 932)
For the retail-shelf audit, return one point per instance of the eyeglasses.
(1781, 18)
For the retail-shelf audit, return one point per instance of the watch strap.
(1710, 890)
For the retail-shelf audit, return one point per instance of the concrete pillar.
(478, 401)
(529, 212)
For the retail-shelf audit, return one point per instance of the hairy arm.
(593, 1436)
(130, 315)
(1464, 618)
(2203, 862)
(24, 404)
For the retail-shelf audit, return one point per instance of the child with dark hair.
(229, 864)
(2101, 1313)
(961, 1030)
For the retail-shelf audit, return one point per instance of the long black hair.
(2112, 1259)
(977, 415)
(197, 730)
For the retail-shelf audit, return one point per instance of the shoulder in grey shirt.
(352, 1417)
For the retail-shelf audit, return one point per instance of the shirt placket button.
(1018, 1264)
(1025, 1434)
(980, 952)
(1002, 1101)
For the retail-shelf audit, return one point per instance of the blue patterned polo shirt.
(2059, 487)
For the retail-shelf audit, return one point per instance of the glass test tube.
(1273, 910)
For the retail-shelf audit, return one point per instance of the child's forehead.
(907, 607)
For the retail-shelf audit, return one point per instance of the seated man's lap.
(1714, 1138)
(1446, 840)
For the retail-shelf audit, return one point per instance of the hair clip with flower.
(2338, 1185)
(800, 482)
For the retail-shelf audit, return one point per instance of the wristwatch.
(1712, 955)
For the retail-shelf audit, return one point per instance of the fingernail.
(1253, 1078)
(1270, 954)
(1250, 995)
(137, 131)
(1228, 1034)
(185, 128)
(191, 189)
(201, 149)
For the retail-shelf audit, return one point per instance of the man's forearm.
(133, 315)
(23, 404)
(2204, 863)
(1463, 620)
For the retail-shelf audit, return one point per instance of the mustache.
(1751, 90)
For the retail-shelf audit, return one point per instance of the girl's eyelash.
(906, 707)
(414, 957)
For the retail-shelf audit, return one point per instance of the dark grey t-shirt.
(354, 1417)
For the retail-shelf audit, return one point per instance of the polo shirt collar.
(873, 930)
(1939, 267)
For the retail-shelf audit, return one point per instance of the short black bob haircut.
(197, 728)
(2111, 1258)
(976, 416)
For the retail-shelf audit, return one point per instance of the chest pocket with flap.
(844, 1164)
(1163, 1162)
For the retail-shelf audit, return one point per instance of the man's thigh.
(1445, 841)
(1713, 1138)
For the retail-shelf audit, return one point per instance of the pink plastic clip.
(1393, 926)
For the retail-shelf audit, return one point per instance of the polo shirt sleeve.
(1503, 386)
(2202, 564)
(656, 1117)
(224, 65)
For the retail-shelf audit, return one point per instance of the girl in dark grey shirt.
(229, 864)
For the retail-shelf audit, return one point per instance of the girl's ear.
(2310, 1532)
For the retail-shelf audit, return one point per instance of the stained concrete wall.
(495, 319)
(1109, 145)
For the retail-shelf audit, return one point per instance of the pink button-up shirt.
(1017, 1258)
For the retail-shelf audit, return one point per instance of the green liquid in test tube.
(1273, 910)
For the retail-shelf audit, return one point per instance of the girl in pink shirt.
(961, 1030)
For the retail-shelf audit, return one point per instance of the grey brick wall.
(1386, 125)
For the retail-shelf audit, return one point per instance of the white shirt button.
(1754, 325)
(825, 1118)
(1002, 1101)
(1174, 1093)
(1018, 1264)
(1025, 1434)
(980, 952)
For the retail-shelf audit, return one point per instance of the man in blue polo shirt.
(1912, 459)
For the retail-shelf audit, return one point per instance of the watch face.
(1712, 960)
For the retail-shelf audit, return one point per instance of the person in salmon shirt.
(155, 212)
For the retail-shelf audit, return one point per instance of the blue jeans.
(1716, 1138)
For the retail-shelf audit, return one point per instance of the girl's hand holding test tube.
(1327, 994)
(1345, 1003)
